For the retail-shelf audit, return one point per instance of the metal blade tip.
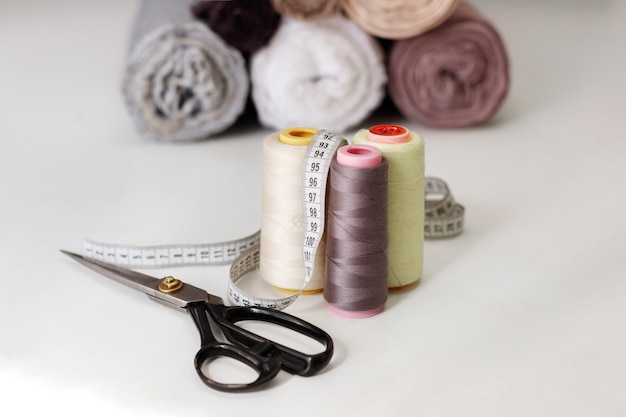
(71, 254)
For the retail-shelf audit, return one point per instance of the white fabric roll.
(326, 73)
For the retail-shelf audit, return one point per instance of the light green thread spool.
(405, 152)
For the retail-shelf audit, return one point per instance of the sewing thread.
(404, 151)
(357, 236)
(282, 222)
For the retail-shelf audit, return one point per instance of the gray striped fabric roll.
(181, 82)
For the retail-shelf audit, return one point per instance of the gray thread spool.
(357, 233)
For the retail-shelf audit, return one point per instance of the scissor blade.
(145, 283)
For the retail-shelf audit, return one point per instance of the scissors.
(262, 355)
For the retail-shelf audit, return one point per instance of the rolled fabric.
(326, 73)
(454, 76)
(245, 25)
(398, 19)
(181, 81)
(306, 9)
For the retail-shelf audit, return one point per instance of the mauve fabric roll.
(325, 73)
(456, 75)
(246, 25)
(181, 81)
(398, 19)
(306, 9)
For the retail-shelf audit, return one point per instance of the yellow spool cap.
(298, 136)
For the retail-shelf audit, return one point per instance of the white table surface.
(522, 315)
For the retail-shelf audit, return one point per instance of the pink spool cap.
(359, 156)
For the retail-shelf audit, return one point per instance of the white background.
(522, 315)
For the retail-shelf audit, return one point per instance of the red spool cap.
(388, 130)
(389, 134)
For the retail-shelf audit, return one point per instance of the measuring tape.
(243, 254)
(223, 253)
(443, 218)
(315, 177)
(315, 170)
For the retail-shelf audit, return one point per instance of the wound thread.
(357, 232)
(405, 152)
(282, 223)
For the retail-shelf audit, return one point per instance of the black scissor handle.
(266, 368)
(290, 359)
(211, 349)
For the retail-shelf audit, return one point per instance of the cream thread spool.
(282, 223)
(404, 151)
(357, 236)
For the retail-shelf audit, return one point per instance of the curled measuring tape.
(443, 217)
(243, 254)
(314, 178)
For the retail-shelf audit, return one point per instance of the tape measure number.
(315, 177)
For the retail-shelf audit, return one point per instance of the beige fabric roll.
(398, 19)
(306, 9)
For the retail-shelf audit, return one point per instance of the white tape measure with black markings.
(243, 254)
(315, 176)
(222, 253)
(443, 217)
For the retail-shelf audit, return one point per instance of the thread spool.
(404, 151)
(282, 223)
(356, 242)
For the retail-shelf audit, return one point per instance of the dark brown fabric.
(243, 24)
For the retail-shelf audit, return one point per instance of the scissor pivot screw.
(170, 284)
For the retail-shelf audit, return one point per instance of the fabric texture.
(181, 81)
(456, 75)
(245, 25)
(306, 9)
(398, 19)
(327, 74)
